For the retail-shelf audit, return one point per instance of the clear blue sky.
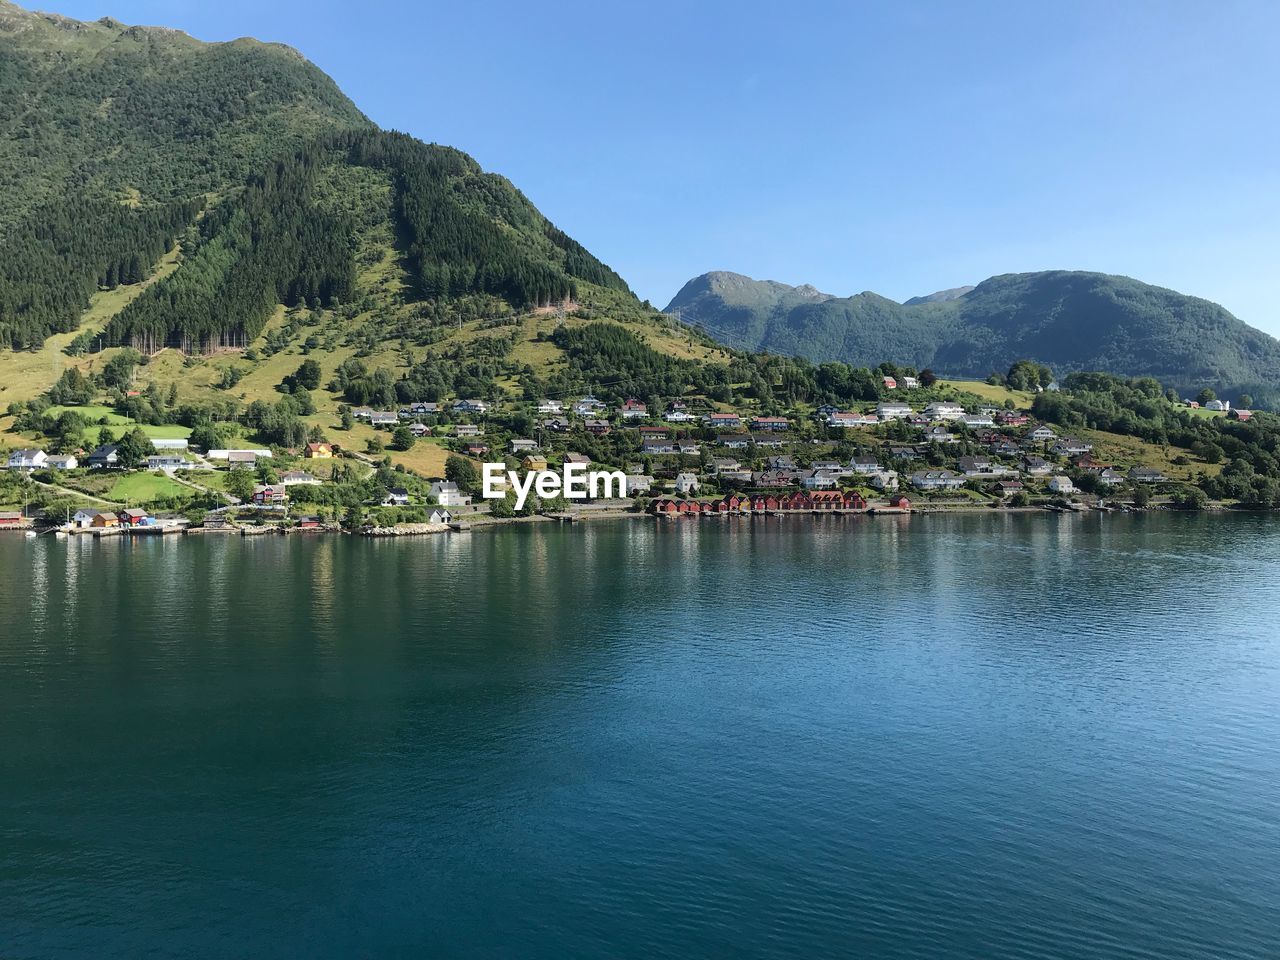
(898, 147)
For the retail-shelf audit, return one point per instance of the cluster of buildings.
(109, 520)
(794, 502)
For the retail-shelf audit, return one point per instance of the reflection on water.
(979, 737)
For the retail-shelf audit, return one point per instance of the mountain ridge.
(1070, 320)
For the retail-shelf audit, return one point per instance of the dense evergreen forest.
(66, 250)
(468, 231)
(271, 244)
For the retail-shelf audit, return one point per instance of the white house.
(980, 466)
(864, 463)
(821, 480)
(27, 459)
(447, 494)
(941, 410)
(1036, 466)
(687, 483)
(937, 480)
(83, 519)
(396, 497)
(1060, 484)
(885, 480)
(550, 406)
(1042, 434)
(64, 462)
(440, 515)
(293, 478)
(638, 483)
(676, 415)
(843, 418)
(892, 411)
(166, 462)
(1220, 405)
(588, 406)
(1069, 447)
(1146, 475)
(909, 383)
(471, 406)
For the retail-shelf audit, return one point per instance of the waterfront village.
(681, 459)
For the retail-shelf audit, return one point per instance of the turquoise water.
(973, 737)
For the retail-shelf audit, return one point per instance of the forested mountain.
(112, 139)
(109, 110)
(1068, 320)
(116, 142)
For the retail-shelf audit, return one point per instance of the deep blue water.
(972, 737)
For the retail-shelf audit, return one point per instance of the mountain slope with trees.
(1069, 320)
(123, 141)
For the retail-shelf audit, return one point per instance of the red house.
(854, 501)
(133, 517)
(796, 501)
(10, 519)
(899, 502)
(827, 500)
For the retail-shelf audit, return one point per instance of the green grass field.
(991, 394)
(93, 412)
(142, 488)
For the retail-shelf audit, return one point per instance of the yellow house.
(534, 462)
(319, 451)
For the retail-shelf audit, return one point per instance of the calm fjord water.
(973, 737)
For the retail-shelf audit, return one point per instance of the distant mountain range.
(1069, 320)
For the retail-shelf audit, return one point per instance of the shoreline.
(483, 522)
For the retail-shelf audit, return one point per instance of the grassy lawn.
(145, 487)
(1131, 451)
(92, 412)
(426, 457)
(992, 394)
(213, 479)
